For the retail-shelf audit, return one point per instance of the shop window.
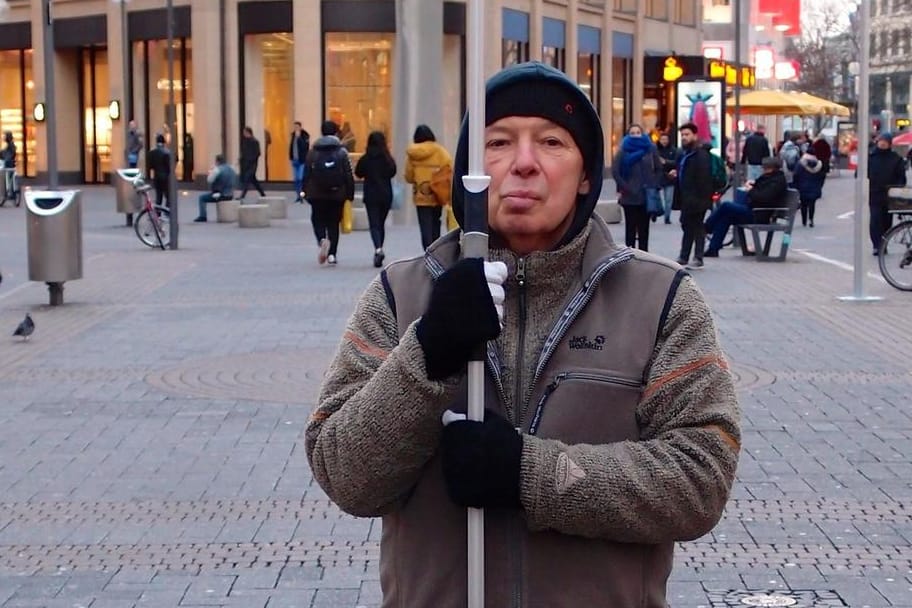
(657, 9)
(686, 12)
(151, 92)
(514, 51)
(717, 11)
(269, 99)
(621, 86)
(587, 76)
(97, 125)
(359, 85)
(554, 57)
(17, 96)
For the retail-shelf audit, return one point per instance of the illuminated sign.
(730, 74)
(902, 123)
(672, 71)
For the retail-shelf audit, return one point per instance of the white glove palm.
(496, 275)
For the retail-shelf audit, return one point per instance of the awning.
(785, 103)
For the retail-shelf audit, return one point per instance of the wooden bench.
(782, 220)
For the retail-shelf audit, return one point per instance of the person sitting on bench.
(222, 179)
(767, 191)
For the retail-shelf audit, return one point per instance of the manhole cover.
(748, 377)
(768, 600)
(279, 377)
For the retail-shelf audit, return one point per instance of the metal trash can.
(54, 234)
(126, 196)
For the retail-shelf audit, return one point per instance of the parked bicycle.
(153, 224)
(895, 255)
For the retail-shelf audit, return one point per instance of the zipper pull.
(540, 408)
(521, 272)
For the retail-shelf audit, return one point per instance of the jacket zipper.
(540, 408)
(516, 420)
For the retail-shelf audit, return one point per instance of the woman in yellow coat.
(423, 159)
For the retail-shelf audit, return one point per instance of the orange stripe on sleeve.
(681, 371)
(364, 348)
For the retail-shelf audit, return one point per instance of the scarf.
(633, 149)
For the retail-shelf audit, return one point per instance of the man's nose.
(526, 159)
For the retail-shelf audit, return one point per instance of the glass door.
(96, 132)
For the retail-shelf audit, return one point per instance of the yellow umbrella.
(826, 106)
(769, 103)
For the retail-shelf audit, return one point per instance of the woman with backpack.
(638, 173)
(809, 177)
(423, 158)
(377, 168)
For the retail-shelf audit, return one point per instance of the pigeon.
(26, 328)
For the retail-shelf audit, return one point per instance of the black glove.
(459, 319)
(481, 462)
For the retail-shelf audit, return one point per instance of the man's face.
(883, 144)
(663, 139)
(688, 137)
(132, 125)
(536, 174)
(297, 127)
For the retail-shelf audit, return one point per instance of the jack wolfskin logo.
(584, 343)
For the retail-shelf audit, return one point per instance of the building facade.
(891, 73)
(268, 63)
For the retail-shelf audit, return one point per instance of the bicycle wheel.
(154, 231)
(895, 257)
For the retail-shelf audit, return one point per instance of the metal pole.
(864, 136)
(126, 114)
(737, 115)
(172, 127)
(475, 226)
(50, 121)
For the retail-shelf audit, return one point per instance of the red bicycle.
(153, 224)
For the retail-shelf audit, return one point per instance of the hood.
(328, 142)
(422, 151)
(539, 72)
(810, 162)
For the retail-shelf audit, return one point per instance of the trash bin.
(126, 196)
(54, 234)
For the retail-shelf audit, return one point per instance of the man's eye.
(496, 143)
(552, 142)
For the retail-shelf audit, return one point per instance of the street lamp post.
(172, 128)
(125, 102)
(50, 121)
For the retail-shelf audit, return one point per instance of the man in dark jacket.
(158, 165)
(767, 191)
(668, 154)
(756, 148)
(250, 160)
(297, 154)
(886, 169)
(693, 194)
(328, 185)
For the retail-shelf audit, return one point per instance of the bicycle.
(153, 224)
(896, 267)
(12, 191)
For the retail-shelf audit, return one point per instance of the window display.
(17, 91)
(269, 99)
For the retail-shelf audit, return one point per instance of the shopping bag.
(654, 202)
(347, 217)
(442, 184)
(451, 222)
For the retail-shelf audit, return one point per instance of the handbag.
(347, 217)
(398, 194)
(442, 184)
(654, 206)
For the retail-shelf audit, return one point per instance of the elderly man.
(613, 426)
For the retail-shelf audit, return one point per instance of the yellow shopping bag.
(452, 224)
(347, 217)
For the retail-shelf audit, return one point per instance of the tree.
(824, 49)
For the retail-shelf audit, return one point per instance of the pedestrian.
(134, 145)
(8, 158)
(222, 180)
(297, 154)
(377, 167)
(637, 170)
(329, 183)
(158, 165)
(612, 424)
(790, 153)
(768, 190)
(668, 155)
(756, 148)
(809, 177)
(693, 194)
(822, 149)
(423, 158)
(249, 161)
(886, 169)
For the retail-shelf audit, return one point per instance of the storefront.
(622, 86)
(148, 35)
(17, 93)
(515, 37)
(589, 63)
(554, 43)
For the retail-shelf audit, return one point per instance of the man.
(886, 169)
(693, 194)
(158, 165)
(756, 148)
(222, 180)
(668, 154)
(249, 161)
(134, 145)
(790, 154)
(297, 153)
(607, 364)
(767, 191)
(328, 185)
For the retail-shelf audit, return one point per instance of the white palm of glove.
(496, 276)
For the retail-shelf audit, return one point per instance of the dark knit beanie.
(545, 99)
(886, 136)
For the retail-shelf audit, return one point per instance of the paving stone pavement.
(151, 448)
